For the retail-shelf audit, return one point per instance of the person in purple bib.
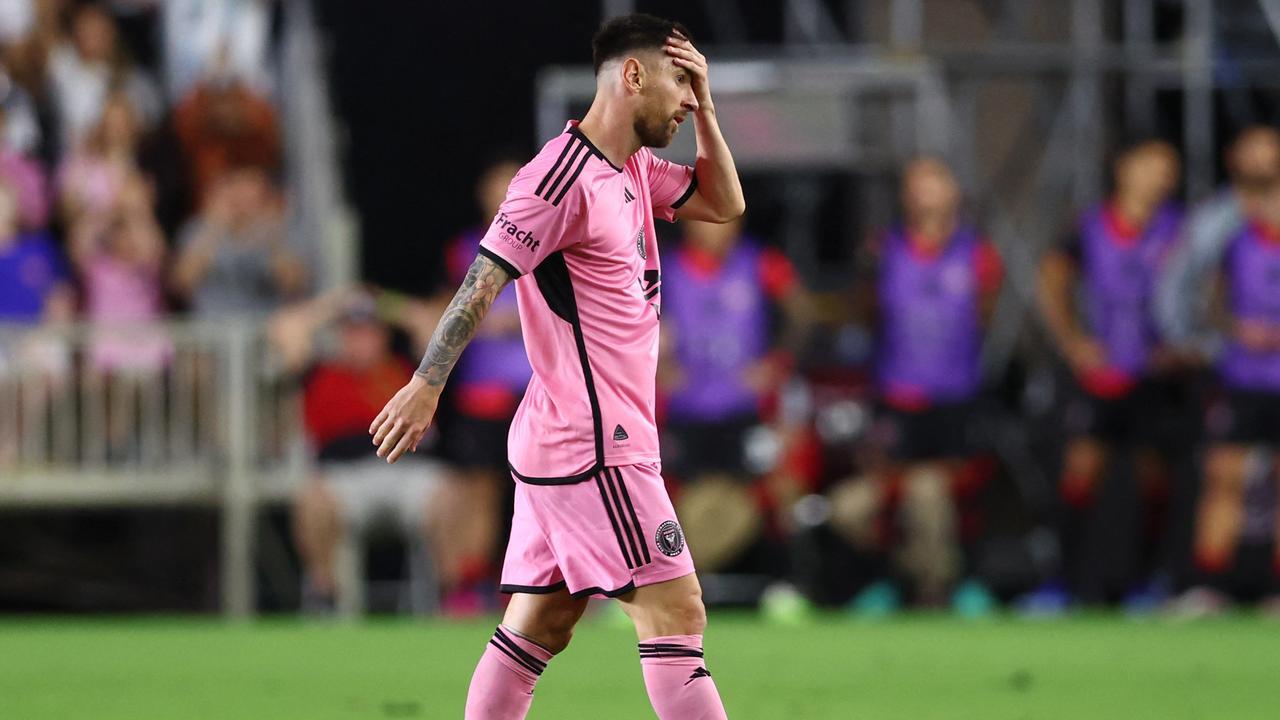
(487, 385)
(1243, 426)
(723, 292)
(936, 279)
(1110, 342)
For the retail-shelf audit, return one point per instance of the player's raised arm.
(407, 415)
(718, 197)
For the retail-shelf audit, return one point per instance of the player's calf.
(670, 619)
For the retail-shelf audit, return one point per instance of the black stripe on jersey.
(649, 295)
(553, 169)
(576, 132)
(578, 150)
(693, 185)
(572, 179)
(552, 276)
(627, 528)
(613, 520)
(631, 509)
(501, 262)
(524, 654)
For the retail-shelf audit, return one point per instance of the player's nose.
(690, 102)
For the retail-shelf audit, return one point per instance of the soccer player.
(592, 516)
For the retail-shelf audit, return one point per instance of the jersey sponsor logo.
(620, 434)
(640, 245)
(514, 236)
(669, 538)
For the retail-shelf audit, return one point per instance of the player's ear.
(634, 75)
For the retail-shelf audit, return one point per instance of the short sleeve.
(670, 186)
(527, 229)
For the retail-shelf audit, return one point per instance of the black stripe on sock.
(580, 149)
(494, 642)
(617, 532)
(626, 496)
(555, 167)
(524, 654)
(684, 652)
(622, 518)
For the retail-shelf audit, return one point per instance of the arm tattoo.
(458, 324)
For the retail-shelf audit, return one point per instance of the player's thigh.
(545, 618)
(671, 607)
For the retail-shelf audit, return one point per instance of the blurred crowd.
(848, 447)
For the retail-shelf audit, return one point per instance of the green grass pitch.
(914, 668)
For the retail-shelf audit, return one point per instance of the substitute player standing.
(592, 516)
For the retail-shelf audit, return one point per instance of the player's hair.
(628, 33)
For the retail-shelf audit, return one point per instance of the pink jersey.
(578, 233)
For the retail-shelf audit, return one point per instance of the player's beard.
(654, 129)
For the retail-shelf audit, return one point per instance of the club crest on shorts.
(670, 538)
(640, 245)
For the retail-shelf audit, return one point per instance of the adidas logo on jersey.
(514, 234)
(627, 196)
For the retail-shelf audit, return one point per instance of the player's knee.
(686, 614)
(555, 629)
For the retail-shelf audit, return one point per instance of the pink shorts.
(604, 536)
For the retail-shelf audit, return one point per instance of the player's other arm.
(718, 197)
(406, 417)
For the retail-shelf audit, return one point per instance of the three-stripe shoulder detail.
(564, 173)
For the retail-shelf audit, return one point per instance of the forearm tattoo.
(458, 324)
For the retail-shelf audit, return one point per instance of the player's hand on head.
(404, 419)
(686, 56)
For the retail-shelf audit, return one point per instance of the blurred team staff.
(1184, 296)
(724, 297)
(485, 389)
(1111, 343)
(934, 280)
(1243, 425)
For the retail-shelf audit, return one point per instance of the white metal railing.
(175, 412)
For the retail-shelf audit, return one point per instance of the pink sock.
(502, 686)
(680, 688)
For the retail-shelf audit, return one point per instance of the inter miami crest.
(640, 245)
(670, 538)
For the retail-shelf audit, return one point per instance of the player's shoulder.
(562, 172)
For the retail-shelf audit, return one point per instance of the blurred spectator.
(27, 179)
(83, 70)
(352, 490)
(1243, 425)
(34, 282)
(233, 257)
(936, 281)
(34, 288)
(119, 255)
(221, 123)
(722, 299)
(485, 388)
(1111, 263)
(21, 132)
(226, 38)
(91, 178)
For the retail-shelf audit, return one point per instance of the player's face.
(666, 102)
